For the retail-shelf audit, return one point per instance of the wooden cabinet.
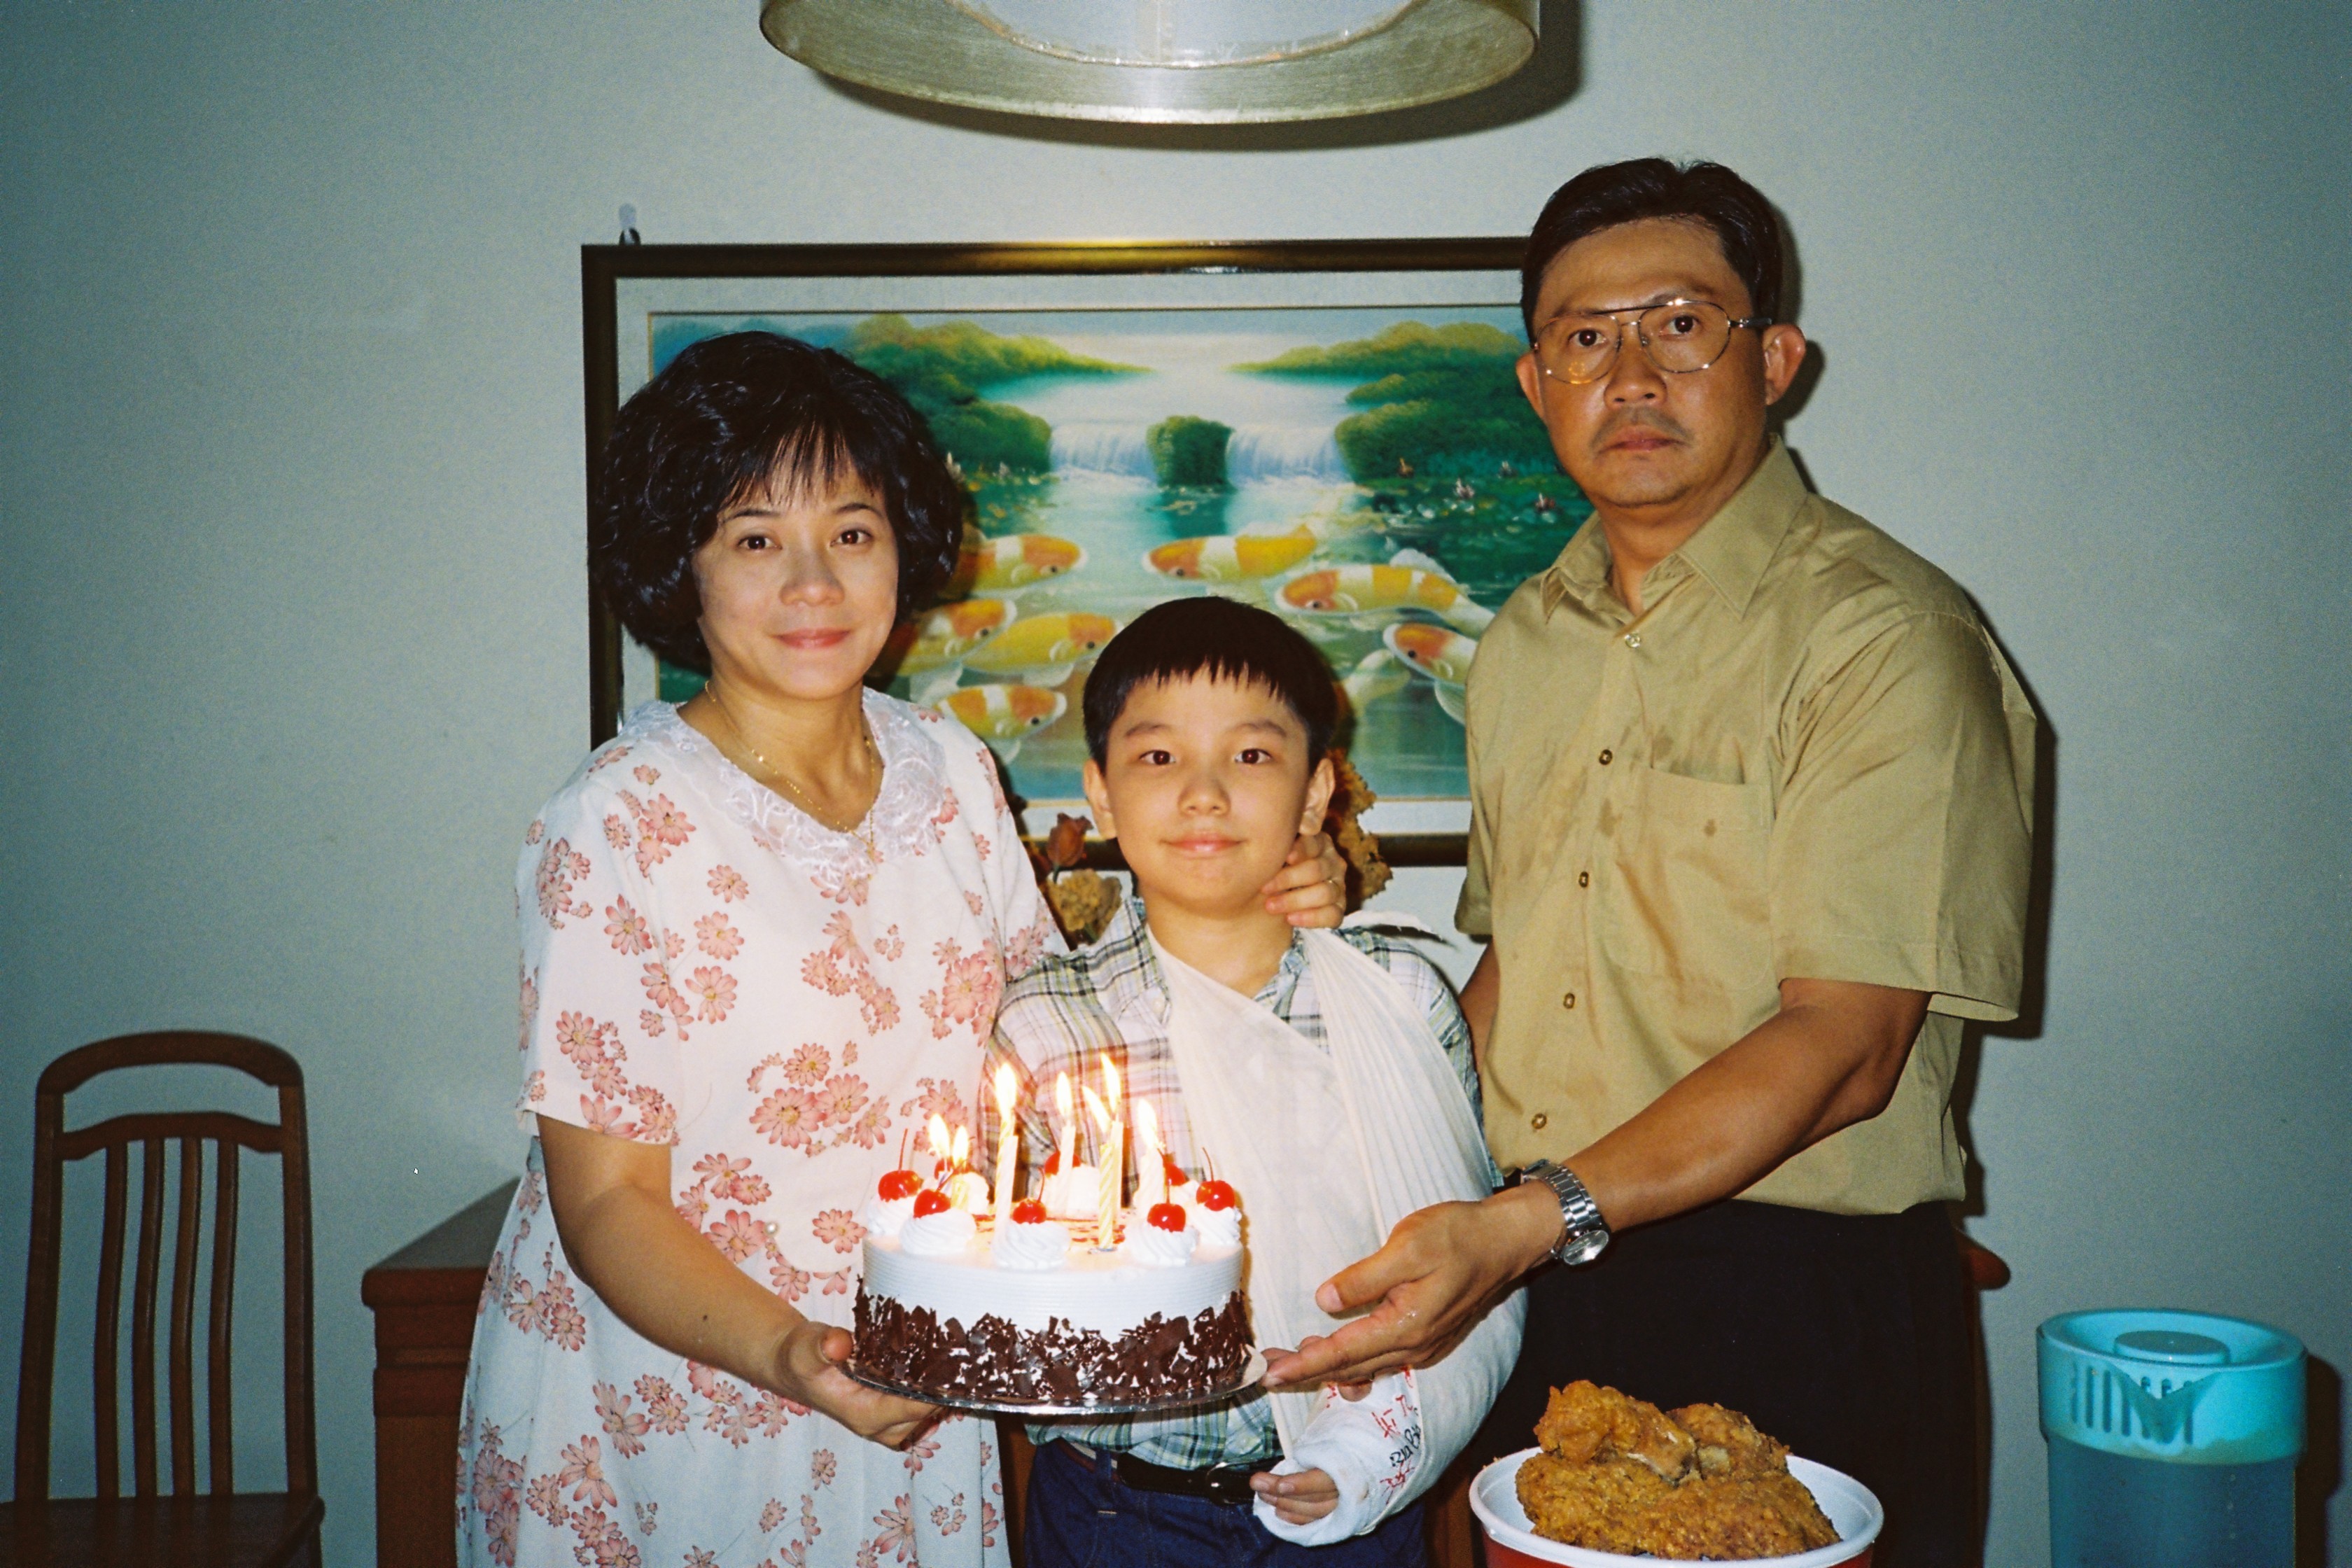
(424, 1297)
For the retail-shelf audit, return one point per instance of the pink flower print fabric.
(706, 969)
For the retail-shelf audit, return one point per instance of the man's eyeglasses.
(1680, 336)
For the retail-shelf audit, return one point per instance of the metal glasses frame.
(1637, 311)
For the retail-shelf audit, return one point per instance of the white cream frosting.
(1031, 1246)
(1109, 1293)
(1219, 1228)
(1157, 1249)
(1181, 1194)
(884, 1217)
(943, 1235)
(1072, 1193)
(969, 1190)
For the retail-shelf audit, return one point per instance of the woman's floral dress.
(708, 968)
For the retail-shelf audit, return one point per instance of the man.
(1751, 833)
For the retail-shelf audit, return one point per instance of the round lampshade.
(1192, 62)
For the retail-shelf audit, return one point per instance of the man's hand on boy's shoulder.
(1311, 889)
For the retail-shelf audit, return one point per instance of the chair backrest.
(53, 1146)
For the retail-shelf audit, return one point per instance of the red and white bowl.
(1853, 1512)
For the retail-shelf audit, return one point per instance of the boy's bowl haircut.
(1224, 640)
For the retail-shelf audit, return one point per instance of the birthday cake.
(1033, 1311)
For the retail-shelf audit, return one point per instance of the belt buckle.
(1229, 1485)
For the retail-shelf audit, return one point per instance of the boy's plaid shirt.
(1069, 1010)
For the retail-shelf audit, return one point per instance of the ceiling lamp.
(1169, 62)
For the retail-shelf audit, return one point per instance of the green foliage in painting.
(1399, 349)
(942, 370)
(1189, 451)
(1437, 400)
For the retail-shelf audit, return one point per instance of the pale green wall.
(291, 635)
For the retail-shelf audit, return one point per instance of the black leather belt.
(1226, 1484)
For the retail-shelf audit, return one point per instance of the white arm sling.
(1329, 1150)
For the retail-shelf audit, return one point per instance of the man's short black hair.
(726, 418)
(1610, 194)
(1180, 638)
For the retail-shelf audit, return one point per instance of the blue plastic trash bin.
(2173, 1439)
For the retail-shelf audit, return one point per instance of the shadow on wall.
(1541, 85)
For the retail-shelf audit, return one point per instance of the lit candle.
(1106, 1171)
(935, 1133)
(1151, 1170)
(1114, 1181)
(1069, 1146)
(1008, 1144)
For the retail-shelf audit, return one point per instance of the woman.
(763, 934)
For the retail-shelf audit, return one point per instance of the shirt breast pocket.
(1686, 895)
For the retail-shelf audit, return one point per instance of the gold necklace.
(861, 830)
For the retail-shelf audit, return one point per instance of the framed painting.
(1331, 429)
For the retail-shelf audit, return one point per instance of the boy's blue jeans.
(1081, 1516)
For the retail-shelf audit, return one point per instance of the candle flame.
(935, 1132)
(1004, 1090)
(1110, 1082)
(1146, 1127)
(1095, 1109)
(963, 1155)
(1062, 1095)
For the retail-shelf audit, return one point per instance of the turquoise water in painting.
(1486, 529)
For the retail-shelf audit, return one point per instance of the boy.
(1206, 723)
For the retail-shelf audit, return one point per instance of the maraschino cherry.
(1166, 1216)
(1028, 1211)
(1215, 1196)
(930, 1200)
(1174, 1170)
(896, 1185)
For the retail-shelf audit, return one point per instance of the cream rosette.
(1030, 1248)
(885, 1217)
(1218, 1227)
(941, 1234)
(1156, 1249)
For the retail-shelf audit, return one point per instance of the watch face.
(1582, 1246)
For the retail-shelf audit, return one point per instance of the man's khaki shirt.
(1804, 759)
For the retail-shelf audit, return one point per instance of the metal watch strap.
(1584, 1233)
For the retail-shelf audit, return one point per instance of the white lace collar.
(903, 822)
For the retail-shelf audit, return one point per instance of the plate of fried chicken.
(1615, 1482)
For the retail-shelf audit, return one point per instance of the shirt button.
(1540, 1121)
(1569, 1001)
(1584, 879)
(1605, 756)
(1632, 639)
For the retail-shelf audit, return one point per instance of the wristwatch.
(1584, 1233)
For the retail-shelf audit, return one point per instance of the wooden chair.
(220, 1525)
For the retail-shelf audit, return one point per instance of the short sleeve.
(1025, 928)
(1901, 843)
(599, 1013)
(1474, 911)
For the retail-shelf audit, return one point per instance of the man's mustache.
(1648, 418)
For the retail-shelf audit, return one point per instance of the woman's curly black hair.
(728, 416)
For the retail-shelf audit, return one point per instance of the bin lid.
(2191, 1388)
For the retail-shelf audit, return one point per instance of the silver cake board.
(1251, 1375)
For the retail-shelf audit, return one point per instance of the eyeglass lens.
(1681, 337)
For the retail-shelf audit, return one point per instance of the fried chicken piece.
(1585, 1420)
(1603, 1505)
(1729, 1442)
(1617, 1475)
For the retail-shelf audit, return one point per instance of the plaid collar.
(1124, 969)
